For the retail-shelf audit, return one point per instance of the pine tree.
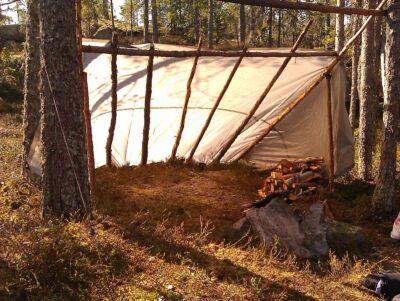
(368, 101)
(154, 19)
(31, 81)
(65, 172)
(385, 189)
(210, 24)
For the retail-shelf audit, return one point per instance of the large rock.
(276, 220)
(308, 235)
(343, 237)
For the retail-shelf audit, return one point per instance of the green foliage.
(11, 80)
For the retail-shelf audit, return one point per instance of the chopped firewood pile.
(292, 180)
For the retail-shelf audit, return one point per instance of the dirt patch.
(184, 195)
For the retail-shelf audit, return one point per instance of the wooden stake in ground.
(262, 97)
(216, 104)
(185, 105)
(85, 98)
(331, 169)
(147, 107)
(310, 88)
(89, 135)
(114, 101)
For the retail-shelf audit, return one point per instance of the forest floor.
(163, 232)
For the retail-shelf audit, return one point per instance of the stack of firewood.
(294, 178)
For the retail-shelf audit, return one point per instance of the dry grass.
(163, 233)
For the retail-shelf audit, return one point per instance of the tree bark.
(104, 9)
(31, 81)
(327, 26)
(242, 24)
(131, 18)
(385, 189)
(354, 99)
(252, 25)
(368, 101)
(64, 167)
(114, 101)
(279, 27)
(378, 51)
(270, 21)
(211, 24)
(146, 21)
(196, 22)
(154, 19)
(339, 37)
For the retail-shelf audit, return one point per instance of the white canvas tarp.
(303, 133)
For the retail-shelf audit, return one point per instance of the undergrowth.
(159, 233)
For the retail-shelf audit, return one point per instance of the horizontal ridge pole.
(322, 8)
(194, 53)
(260, 100)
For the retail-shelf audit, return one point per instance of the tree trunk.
(242, 24)
(64, 167)
(339, 37)
(377, 55)
(368, 101)
(279, 28)
(252, 25)
(210, 24)
(385, 189)
(196, 22)
(327, 25)
(131, 18)
(154, 19)
(104, 9)
(31, 81)
(354, 100)
(270, 21)
(146, 21)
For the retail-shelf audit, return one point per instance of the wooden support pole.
(298, 5)
(310, 88)
(216, 104)
(212, 53)
(147, 107)
(185, 105)
(89, 135)
(260, 100)
(331, 169)
(114, 101)
(85, 100)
